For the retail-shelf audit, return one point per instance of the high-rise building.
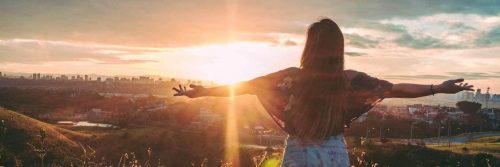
(38, 76)
(86, 77)
(34, 76)
(479, 95)
(465, 95)
(495, 98)
(78, 77)
(0, 74)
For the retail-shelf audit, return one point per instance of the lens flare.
(232, 143)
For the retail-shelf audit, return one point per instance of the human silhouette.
(315, 102)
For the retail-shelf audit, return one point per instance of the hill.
(24, 140)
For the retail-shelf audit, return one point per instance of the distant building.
(99, 79)
(456, 115)
(86, 77)
(493, 115)
(380, 108)
(207, 117)
(160, 105)
(259, 129)
(63, 77)
(465, 96)
(495, 98)
(399, 109)
(0, 74)
(78, 77)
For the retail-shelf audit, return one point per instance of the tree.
(472, 110)
(468, 107)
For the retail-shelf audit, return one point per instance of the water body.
(86, 124)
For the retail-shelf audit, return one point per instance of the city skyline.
(230, 41)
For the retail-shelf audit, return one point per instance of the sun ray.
(231, 143)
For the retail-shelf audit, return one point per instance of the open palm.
(182, 91)
(454, 86)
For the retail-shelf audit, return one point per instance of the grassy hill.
(489, 145)
(171, 147)
(23, 139)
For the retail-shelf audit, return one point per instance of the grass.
(164, 146)
(20, 139)
(481, 145)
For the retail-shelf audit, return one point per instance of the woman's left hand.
(451, 86)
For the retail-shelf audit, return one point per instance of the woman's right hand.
(182, 91)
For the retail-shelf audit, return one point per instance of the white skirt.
(332, 152)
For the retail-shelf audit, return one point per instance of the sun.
(228, 63)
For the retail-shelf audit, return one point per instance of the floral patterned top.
(275, 92)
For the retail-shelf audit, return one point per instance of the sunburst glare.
(232, 143)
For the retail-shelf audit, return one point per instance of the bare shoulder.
(278, 75)
(292, 69)
(289, 71)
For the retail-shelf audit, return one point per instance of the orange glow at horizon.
(230, 67)
(228, 63)
(231, 139)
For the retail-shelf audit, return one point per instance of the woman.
(314, 103)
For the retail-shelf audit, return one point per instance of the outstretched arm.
(253, 86)
(405, 90)
(219, 91)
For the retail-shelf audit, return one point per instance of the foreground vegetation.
(489, 145)
(28, 142)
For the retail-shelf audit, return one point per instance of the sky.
(424, 41)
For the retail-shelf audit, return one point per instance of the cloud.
(475, 75)
(462, 26)
(448, 75)
(40, 51)
(171, 23)
(290, 43)
(387, 27)
(360, 41)
(490, 38)
(415, 77)
(355, 54)
(446, 31)
(425, 42)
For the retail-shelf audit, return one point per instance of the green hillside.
(22, 136)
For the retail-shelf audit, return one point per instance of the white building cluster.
(485, 99)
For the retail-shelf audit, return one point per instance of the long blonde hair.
(320, 100)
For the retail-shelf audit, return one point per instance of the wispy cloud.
(360, 41)
(446, 31)
(490, 38)
(41, 51)
(426, 42)
(448, 75)
(354, 54)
